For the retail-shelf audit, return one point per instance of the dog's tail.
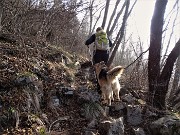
(115, 72)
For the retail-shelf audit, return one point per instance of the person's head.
(99, 28)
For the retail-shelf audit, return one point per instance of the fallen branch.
(60, 119)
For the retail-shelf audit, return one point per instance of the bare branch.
(137, 58)
(171, 34)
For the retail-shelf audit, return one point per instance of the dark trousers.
(100, 55)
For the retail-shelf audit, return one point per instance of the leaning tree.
(159, 78)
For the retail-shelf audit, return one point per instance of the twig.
(60, 119)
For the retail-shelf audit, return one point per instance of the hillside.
(46, 90)
(31, 76)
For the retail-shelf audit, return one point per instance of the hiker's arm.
(90, 40)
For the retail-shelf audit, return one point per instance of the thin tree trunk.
(121, 33)
(116, 19)
(172, 32)
(176, 76)
(175, 80)
(97, 20)
(112, 15)
(105, 13)
(163, 81)
(57, 3)
(1, 13)
(91, 16)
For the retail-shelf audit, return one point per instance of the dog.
(108, 81)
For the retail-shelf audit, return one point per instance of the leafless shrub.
(32, 22)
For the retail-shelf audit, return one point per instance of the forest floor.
(39, 89)
(30, 76)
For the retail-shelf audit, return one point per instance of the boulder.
(112, 127)
(139, 131)
(167, 125)
(134, 115)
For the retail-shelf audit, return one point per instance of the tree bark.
(57, 3)
(91, 16)
(105, 13)
(154, 51)
(121, 33)
(109, 32)
(1, 13)
(112, 15)
(176, 78)
(172, 32)
(163, 81)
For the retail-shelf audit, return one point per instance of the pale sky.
(140, 21)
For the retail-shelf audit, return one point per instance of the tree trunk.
(109, 32)
(43, 4)
(112, 15)
(176, 78)
(1, 12)
(154, 53)
(171, 34)
(91, 16)
(105, 13)
(57, 3)
(121, 33)
(163, 81)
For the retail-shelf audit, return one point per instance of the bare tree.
(158, 81)
(176, 8)
(43, 4)
(110, 31)
(112, 15)
(105, 13)
(95, 10)
(1, 12)
(97, 19)
(91, 16)
(176, 76)
(121, 33)
(176, 82)
(57, 3)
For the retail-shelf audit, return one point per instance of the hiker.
(102, 45)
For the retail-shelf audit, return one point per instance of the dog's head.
(99, 66)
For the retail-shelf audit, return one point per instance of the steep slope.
(34, 80)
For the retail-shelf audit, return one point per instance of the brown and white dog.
(108, 81)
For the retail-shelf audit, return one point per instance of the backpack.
(101, 41)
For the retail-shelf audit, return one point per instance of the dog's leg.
(103, 96)
(117, 94)
(109, 101)
(109, 97)
(112, 97)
